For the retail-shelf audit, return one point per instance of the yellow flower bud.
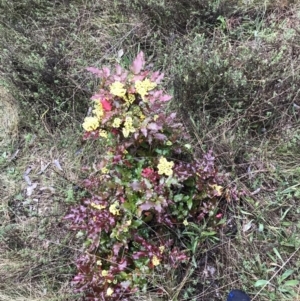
(155, 261)
(109, 291)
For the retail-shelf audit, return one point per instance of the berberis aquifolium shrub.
(147, 185)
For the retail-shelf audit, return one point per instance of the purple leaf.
(138, 255)
(148, 193)
(158, 80)
(118, 69)
(156, 205)
(172, 115)
(124, 76)
(136, 186)
(122, 265)
(138, 63)
(157, 93)
(153, 126)
(165, 97)
(125, 284)
(116, 248)
(144, 131)
(159, 136)
(95, 71)
(101, 94)
(156, 77)
(106, 72)
(138, 77)
(117, 78)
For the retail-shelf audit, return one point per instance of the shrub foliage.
(147, 186)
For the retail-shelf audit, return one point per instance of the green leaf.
(178, 197)
(286, 274)
(291, 282)
(194, 245)
(277, 254)
(208, 233)
(190, 203)
(284, 289)
(261, 282)
(222, 221)
(130, 206)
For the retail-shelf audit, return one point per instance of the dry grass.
(9, 117)
(258, 151)
(37, 248)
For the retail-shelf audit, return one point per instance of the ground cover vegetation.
(232, 68)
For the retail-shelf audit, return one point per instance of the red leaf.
(138, 63)
(146, 172)
(106, 105)
(219, 215)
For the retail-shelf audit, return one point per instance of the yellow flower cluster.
(127, 224)
(103, 133)
(136, 110)
(142, 87)
(165, 167)
(97, 206)
(129, 99)
(116, 123)
(128, 127)
(117, 89)
(218, 189)
(114, 208)
(155, 260)
(104, 170)
(90, 123)
(161, 249)
(98, 109)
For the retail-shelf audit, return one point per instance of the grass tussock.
(233, 68)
